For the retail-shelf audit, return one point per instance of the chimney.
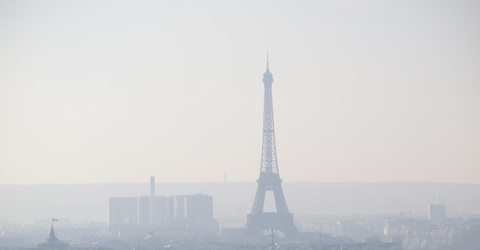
(152, 186)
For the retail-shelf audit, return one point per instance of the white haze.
(117, 91)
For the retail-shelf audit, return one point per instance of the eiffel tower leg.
(280, 202)
(259, 201)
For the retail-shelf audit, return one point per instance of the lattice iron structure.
(269, 179)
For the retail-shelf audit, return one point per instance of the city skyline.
(119, 91)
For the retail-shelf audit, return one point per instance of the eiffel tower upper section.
(269, 153)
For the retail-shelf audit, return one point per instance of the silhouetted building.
(144, 210)
(53, 242)
(180, 207)
(199, 206)
(123, 211)
(175, 211)
(194, 212)
(159, 211)
(200, 211)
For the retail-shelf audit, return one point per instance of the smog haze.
(116, 91)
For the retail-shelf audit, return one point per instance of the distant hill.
(89, 202)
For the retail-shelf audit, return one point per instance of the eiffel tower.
(269, 179)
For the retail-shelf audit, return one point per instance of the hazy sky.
(117, 91)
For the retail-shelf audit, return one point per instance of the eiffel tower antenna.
(269, 180)
(267, 63)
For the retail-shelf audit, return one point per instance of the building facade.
(196, 211)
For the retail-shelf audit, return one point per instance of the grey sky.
(116, 91)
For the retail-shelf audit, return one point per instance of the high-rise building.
(176, 211)
(144, 210)
(200, 211)
(180, 207)
(159, 210)
(123, 210)
(437, 211)
(199, 206)
(170, 220)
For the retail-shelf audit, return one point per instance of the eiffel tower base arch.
(282, 222)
